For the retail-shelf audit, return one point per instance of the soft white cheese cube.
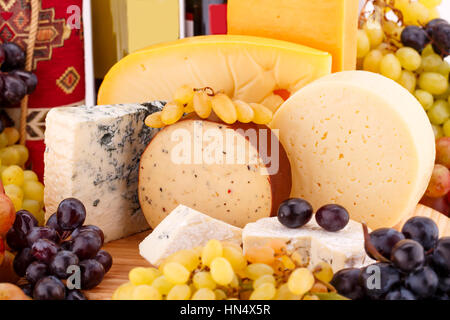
(342, 249)
(185, 228)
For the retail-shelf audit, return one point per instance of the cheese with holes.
(342, 249)
(360, 140)
(92, 154)
(245, 68)
(235, 173)
(185, 228)
(329, 25)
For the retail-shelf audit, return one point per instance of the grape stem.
(211, 92)
(370, 247)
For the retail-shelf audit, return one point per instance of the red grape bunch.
(15, 82)
(46, 253)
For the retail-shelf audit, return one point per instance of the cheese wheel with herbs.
(360, 140)
(235, 173)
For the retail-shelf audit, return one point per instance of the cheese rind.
(342, 249)
(360, 140)
(185, 228)
(92, 154)
(219, 169)
(329, 25)
(245, 68)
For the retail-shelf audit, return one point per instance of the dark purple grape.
(66, 245)
(22, 260)
(77, 231)
(423, 230)
(75, 295)
(294, 213)
(61, 261)
(2, 85)
(346, 282)
(389, 277)
(24, 222)
(441, 256)
(29, 78)
(14, 89)
(400, 294)
(415, 37)
(441, 39)
(444, 284)
(27, 288)
(105, 259)
(332, 217)
(384, 240)
(14, 57)
(42, 233)
(49, 288)
(71, 214)
(44, 250)
(15, 241)
(408, 255)
(52, 222)
(92, 273)
(423, 283)
(36, 271)
(429, 26)
(86, 244)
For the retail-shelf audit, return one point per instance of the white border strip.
(88, 54)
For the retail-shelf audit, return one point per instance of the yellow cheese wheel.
(360, 140)
(244, 67)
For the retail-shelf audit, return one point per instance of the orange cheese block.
(329, 25)
(245, 68)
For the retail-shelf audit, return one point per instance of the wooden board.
(126, 256)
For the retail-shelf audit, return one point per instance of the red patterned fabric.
(58, 62)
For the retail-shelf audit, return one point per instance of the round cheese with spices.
(360, 140)
(235, 173)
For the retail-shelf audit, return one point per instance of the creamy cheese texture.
(92, 154)
(360, 140)
(185, 228)
(342, 249)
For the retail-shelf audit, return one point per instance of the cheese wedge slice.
(329, 25)
(360, 140)
(342, 249)
(245, 68)
(185, 228)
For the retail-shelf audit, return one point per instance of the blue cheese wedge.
(342, 249)
(92, 154)
(185, 228)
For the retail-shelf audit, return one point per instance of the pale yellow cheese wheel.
(360, 140)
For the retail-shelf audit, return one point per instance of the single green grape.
(372, 61)
(431, 63)
(390, 67)
(444, 69)
(446, 128)
(433, 82)
(409, 58)
(374, 32)
(408, 80)
(425, 98)
(427, 50)
(415, 13)
(439, 112)
(363, 44)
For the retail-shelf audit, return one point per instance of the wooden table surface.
(126, 256)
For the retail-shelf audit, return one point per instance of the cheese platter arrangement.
(292, 163)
